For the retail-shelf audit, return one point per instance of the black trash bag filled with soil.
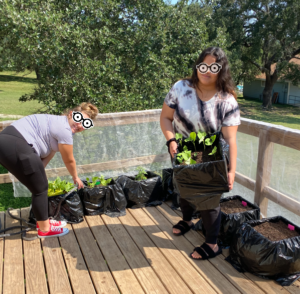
(267, 248)
(141, 193)
(109, 200)
(168, 188)
(202, 184)
(71, 209)
(235, 210)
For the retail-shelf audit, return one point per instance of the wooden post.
(263, 173)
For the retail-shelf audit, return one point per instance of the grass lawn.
(281, 114)
(12, 87)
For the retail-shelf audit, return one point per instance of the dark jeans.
(20, 159)
(211, 220)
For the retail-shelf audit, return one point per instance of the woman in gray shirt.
(27, 146)
(205, 102)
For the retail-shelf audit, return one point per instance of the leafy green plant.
(178, 138)
(201, 136)
(192, 138)
(214, 151)
(59, 187)
(210, 141)
(141, 174)
(185, 156)
(97, 181)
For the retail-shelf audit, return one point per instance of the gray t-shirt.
(193, 115)
(45, 132)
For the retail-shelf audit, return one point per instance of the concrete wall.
(254, 89)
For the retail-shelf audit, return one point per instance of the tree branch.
(261, 68)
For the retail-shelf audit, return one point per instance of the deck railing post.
(263, 173)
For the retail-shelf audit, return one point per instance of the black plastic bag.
(231, 222)
(252, 252)
(169, 192)
(71, 209)
(109, 200)
(203, 184)
(141, 193)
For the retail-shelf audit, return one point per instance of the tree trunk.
(37, 72)
(267, 92)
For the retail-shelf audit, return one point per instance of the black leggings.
(20, 159)
(211, 220)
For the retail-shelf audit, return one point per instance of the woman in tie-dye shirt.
(205, 102)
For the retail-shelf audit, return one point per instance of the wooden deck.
(136, 253)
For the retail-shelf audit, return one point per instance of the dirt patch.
(275, 231)
(234, 206)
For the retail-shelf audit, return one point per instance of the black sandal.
(206, 252)
(183, 227)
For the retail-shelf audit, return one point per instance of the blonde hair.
(90, 109)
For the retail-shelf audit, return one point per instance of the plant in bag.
(59, 187)
(141, 174)
(178, 138)
(185, 156)
(97, 181)
(192, 138)
(214, 151)
(210, 141)
(201, 136)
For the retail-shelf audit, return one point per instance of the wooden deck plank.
(58, 280)
(13, 272)
(78, 273)
(35, 275)
(101, 276)
(2, 226)
(140, 266)
(205, 268)
(185, 270)
(123, 275)
(294, 288)
(239, 280)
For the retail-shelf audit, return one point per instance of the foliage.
(214, 151)
(59, 187)
(201, 136)
(178, 138)
(141, 174)
(209, 141)
(120, 55)
(192, 138)
(97, 181)
(185, 156)
(263, 33)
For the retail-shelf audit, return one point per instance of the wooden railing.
(268, 134)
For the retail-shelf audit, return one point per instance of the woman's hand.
(231, 177)
(173, 148)
(78, 182)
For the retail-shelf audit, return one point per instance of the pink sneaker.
(53, 232)
(59, 224)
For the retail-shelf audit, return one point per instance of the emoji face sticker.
(77, 116)
(214, 68)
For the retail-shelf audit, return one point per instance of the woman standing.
(27, 146)
(205, 102)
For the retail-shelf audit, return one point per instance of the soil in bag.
(202, 184)
(141, 193)
(256, 253)
(109, 200)
(234, 206)
(71, 209)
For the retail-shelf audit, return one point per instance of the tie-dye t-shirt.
(193, 115)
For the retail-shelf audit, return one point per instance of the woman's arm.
(229, 134)
(166, 119)
(66, 152)
(48, 158)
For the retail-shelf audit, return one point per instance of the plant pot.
(141, 193)
(203, 184)
(71, 209)
(109, 200)
(255, 253)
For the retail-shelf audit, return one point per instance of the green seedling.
(178, 138)
(141, 174)
(201, 136)
(97, 181)
(185, 156)
(59, 187)
(214, 151)
(192, 138)
(210, 141)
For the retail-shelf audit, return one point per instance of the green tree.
(120, 55)
(263, 33)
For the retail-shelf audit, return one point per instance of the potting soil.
(276, 231)
(234, 206)
(202, 156)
